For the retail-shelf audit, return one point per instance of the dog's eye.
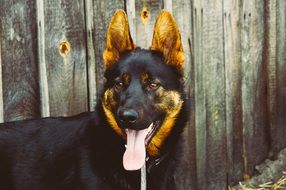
(153, 85)
(118, 85)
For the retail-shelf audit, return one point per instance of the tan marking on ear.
(167, 40)
(118, 39)
(171, 103)
(108, 104)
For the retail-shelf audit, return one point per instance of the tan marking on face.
(108, 105)
(144, 77)
(126, 78)
(171, 104)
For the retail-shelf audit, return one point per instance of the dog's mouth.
(137, 140)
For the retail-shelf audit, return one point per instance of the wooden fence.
(51, 65)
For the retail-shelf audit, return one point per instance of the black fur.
(83, 152)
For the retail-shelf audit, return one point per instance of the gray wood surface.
(19, 60)
(199, 95)
(254, 100)
(233, 74)
(1, 91)
(66, 71)
(186, 177)
(91, 67)
(42, 65)
(214, 85)
(278, 129)
(144, 24)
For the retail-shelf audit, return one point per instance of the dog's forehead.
(139, 61)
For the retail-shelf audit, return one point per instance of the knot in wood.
(64, 48)
(145, 15)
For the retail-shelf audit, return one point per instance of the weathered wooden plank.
(102, 13)
(234, 128)
(65, 54)
(1, 90)
(200, 95)
(146, 13)
(168, 5)
(90, 55)
(214, 83)
(210, 95)
(186, 177)
(270, 60)
(43, 80)
(18, 54)
(131, 15)
(279, 130)
(253, 87)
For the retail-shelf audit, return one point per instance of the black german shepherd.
(140, 117)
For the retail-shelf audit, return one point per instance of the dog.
(139, 119)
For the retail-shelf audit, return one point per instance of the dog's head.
(142, 96)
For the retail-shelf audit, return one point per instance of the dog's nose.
(128, 116)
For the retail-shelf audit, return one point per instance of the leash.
(143, 177)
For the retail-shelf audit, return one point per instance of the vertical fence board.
(200, 94)
(233, 74)
(18, 57)
(102, 13)
(168, 4)
(279, 131)
(91, 67)
(214, 81)
(1, 88)
(66, 63)
(186, 176)
(43, 80)
(131, 14)
(270, 60)
(210, 95)
(254, 102)
(145, 28)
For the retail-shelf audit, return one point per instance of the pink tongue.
(134, 156)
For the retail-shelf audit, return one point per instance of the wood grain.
(253, 87)
(214, 84)
(279, 129)
(186, 178)
(42, 65)
(1, 91)
(199, 95)
(19, 60)
(144, 31)
(66, 71)
(233, 74)
(91, 67)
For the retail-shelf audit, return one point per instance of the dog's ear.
(118, 38)
(167, 40)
